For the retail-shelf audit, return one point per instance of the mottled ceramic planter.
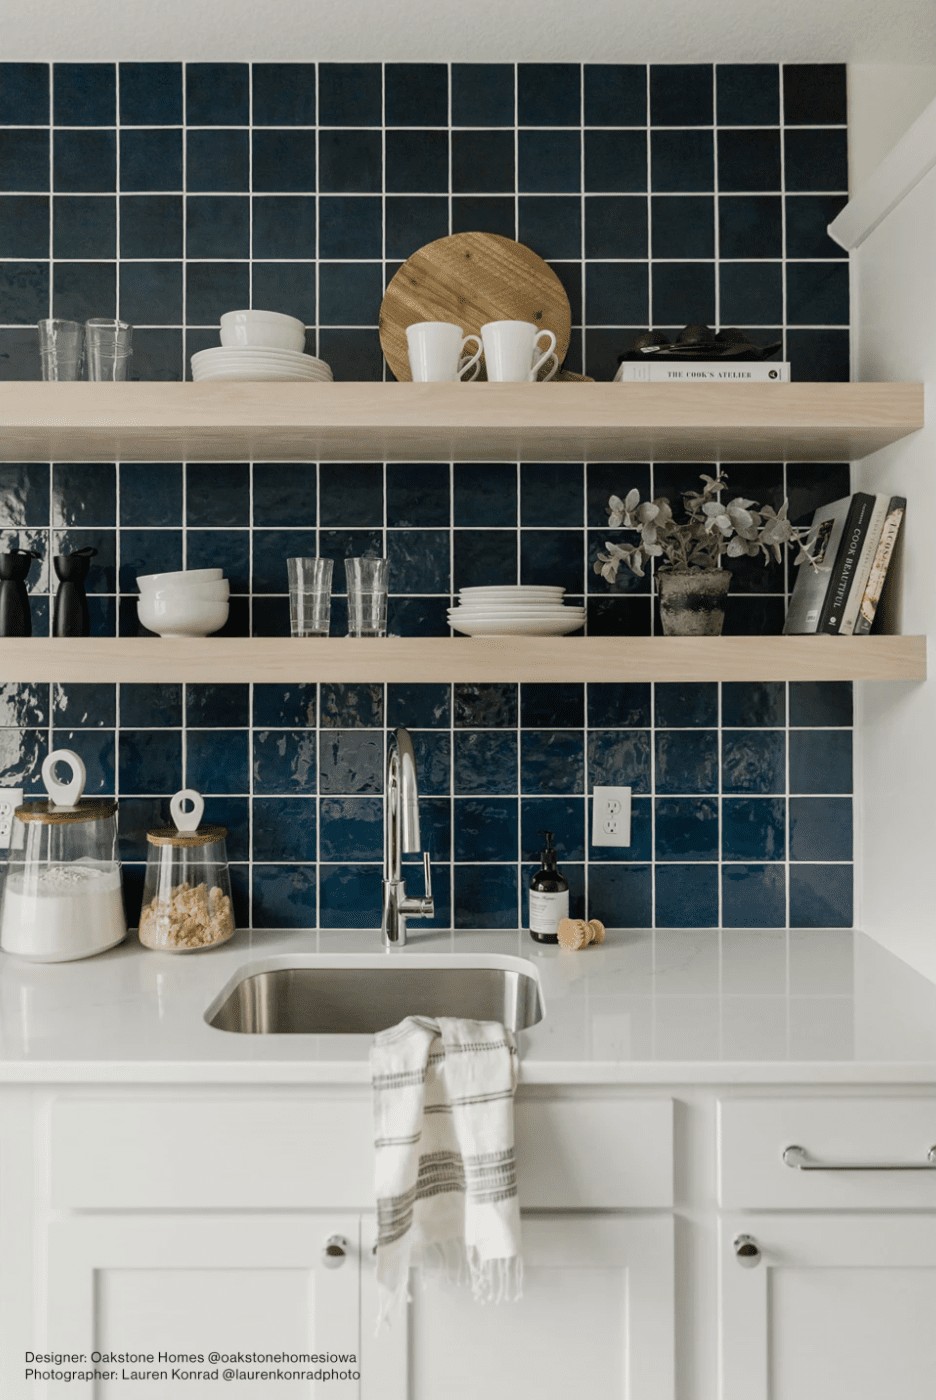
(693, 604)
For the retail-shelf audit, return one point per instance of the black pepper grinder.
(15, 616)
(70, 616)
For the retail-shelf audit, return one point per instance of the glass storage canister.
(62, 898)
(187, 894)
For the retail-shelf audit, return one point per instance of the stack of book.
(855, 540)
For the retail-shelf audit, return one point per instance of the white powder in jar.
(55, 913)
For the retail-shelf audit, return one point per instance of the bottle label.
(547, 910)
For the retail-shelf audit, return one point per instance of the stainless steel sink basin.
(358, 996)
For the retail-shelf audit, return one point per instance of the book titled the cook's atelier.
(880, 564)
(702, 372)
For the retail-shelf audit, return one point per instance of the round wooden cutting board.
(472, 278)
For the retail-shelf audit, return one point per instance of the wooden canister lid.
(172, 836)
(45, 811)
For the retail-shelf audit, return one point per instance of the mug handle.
(553, 369)
(472, 361)
(538, 364)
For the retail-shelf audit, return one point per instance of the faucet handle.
(427, 869)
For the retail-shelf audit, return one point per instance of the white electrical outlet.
(10, 799)
(611, 816)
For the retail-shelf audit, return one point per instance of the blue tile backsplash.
(170, 193)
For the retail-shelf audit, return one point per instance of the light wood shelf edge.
(463, 422)
(422, 659)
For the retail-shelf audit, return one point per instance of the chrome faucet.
(401, 833)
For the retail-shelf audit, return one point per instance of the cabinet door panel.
(837, 1306)
(596, 1318)
(183, 1284)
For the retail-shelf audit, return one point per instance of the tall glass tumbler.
(107, 348)
(310, 582)
(61, 345)
(367, 597)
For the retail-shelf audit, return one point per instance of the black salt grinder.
(70, 615)
(15, 616)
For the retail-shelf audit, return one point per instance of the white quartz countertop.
(707, 1006)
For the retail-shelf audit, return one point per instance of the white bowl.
(175, 577)
(262, 328)
(203, 592)
(182, 617)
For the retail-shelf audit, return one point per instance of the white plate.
(244, 372)
(512, 590)
(256, 352)
(529, 628)
(514, 611)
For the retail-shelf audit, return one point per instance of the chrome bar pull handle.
(747, 1251)
(800, 1160)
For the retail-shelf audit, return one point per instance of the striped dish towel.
(446, 1173)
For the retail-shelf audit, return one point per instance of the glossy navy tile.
(753, 896)
(615, 162)
(753, 828)
(350, 495)
(22, 753)
(24, 226)
(350, 761)
(485, 494)
(482, 94)
(24, 160)
(85, 94)
(84, 161)
(418, 705)
(549, 94)
(749, 160)
(564, 816)
(615, 94)
(817, 293)
(351, 706)
(417, 494)
(814, 94)
(412, 220)
(550, 494)
(619, 758)
(621, 895)
(283, 94)
(821, 828)
(217, 94)
(687, 761)
(284, 761)
(746, 705)
(483, 163)
(683, 292)
(350, 293)
(686, 828)
(484, 557)
(753, 761)
(419, 561)
(96, 748)
(150, 706)
(150, 760)
(612, 705)
(415, 162)
(84, 493)
(751, 226)
(84, 226)
(210, 706)
(821, 896)
(615, 227)
(747, 94)
(433, 762)
(150, 94)
(816, 705)
(217, 760)
(616, 293)
(682, 161)
(560, 705)
(211, 288)
(151, 291)
(819, 355)
(485, 829)
(350, 162)
(807, 221)
(485, 706)
(485, 761)
(751, 294)
(683, 706)
(494, 214)
(548, 161)
(24, 292)
(686, 896)
(553, 558)
(551, 225)
(150, 493)
(416, 94)
(683, 226)
(486, 896)
(83, 289)
(228, 550)
(552, 761)
(820, 761)
(24, 705)
(220, 161)
(351, 828)
(283, 896)
(284, 706)
(150, 160)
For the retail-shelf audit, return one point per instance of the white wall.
(894, 313)
(884, 99)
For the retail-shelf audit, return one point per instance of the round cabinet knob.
(747, 1251)
(335, 1251)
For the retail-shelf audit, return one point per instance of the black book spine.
(846, 561)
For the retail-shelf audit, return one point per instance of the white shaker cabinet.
(829, 1306)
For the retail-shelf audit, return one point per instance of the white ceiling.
(663, 31)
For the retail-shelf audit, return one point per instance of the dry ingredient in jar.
(193, 916)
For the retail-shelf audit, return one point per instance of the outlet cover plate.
(10, 799)
(611, 816)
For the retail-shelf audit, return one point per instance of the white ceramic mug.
(512, 351)
(437, 352)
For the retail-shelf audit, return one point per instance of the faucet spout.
(401, 834)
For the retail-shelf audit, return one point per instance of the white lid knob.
(64, 794)
(191, 820)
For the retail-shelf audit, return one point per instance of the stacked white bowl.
(260, 345)
(515, 610)
(185, 603)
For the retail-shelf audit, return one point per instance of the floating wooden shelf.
(453, 422)
(222, 659)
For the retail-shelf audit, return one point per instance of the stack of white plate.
(518, 610)
(253, 362)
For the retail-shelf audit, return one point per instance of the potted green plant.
(688, 551)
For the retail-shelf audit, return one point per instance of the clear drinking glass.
(61, 344)
(107, 348)
(310, 582)
(367, 597)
